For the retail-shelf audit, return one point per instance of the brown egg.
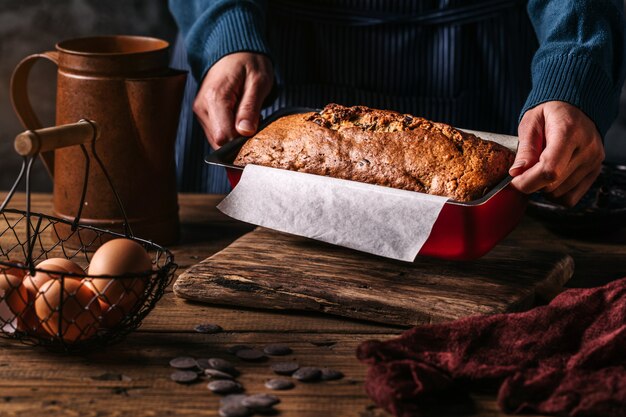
(13, 299)
(118, 296)
(29, 322)
(69, 266)
(18, 272)
(79, 313)
(33, 284)
(53, 264)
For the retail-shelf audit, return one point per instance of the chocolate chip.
(208, 328)
(234, 410)
(232, 399)
(330, 374)
(250, 354)
(203, 363)
(219, 363)
(216, 374)
(183, 362)
(284, 368)
(224, 386)
(222, 365)
(279, 384)
(307, 374)
(277, 350)
(184, 377)
(111, 377)
(236, 348)
(260, 401)
(324, 343)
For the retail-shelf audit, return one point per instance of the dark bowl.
(602, 210)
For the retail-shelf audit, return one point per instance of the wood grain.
(35, 382)
(275, 270)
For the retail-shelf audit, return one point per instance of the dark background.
(33, 26)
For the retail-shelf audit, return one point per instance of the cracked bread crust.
(381, 147)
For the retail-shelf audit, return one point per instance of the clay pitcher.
(123, 83)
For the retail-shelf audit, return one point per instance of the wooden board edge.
(554, 283)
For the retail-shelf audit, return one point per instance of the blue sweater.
(576, 53)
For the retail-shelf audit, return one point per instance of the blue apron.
(459, 62)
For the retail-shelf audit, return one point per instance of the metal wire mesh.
(63, 310)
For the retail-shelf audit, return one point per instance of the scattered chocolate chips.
(260, 402)
(216, 374)
(234, 410)
(183, 362)
(330, 374)
(307, 374)
(250, 354)
(184, 377)
(277, 350)
(223, 373)
(224, 386)
(208, 328)
(279, 384)
(284, 368)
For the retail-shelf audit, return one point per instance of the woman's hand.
(560, 152)
(228, 103)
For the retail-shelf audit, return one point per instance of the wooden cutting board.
(268, 269)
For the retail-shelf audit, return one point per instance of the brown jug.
(123, 83)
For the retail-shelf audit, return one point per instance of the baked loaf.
(381, 147)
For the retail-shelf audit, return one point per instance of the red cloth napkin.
(567, 358)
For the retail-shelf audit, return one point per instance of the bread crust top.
(381, 147)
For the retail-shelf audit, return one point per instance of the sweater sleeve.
(215, 28)
(580, 59)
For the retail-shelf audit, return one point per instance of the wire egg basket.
(58, 305)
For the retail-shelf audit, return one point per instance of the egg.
(34, 283)
(61, 265)
(18, 272)
(118, 296)
(79, 313)
(13, 299)
(69, 266)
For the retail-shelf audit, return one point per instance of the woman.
(550, 71)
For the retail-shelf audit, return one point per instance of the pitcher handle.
(21, 102)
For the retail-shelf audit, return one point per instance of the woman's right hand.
(228, 103)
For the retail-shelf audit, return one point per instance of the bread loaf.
(381, 147)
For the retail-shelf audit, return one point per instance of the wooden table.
(35, 382)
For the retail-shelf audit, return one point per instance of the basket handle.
(32, 142)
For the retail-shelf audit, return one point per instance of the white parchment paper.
(374, 219)
(504, 140)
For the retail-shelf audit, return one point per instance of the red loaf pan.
(463, 230)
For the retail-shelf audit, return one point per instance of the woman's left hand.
(560, 152)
